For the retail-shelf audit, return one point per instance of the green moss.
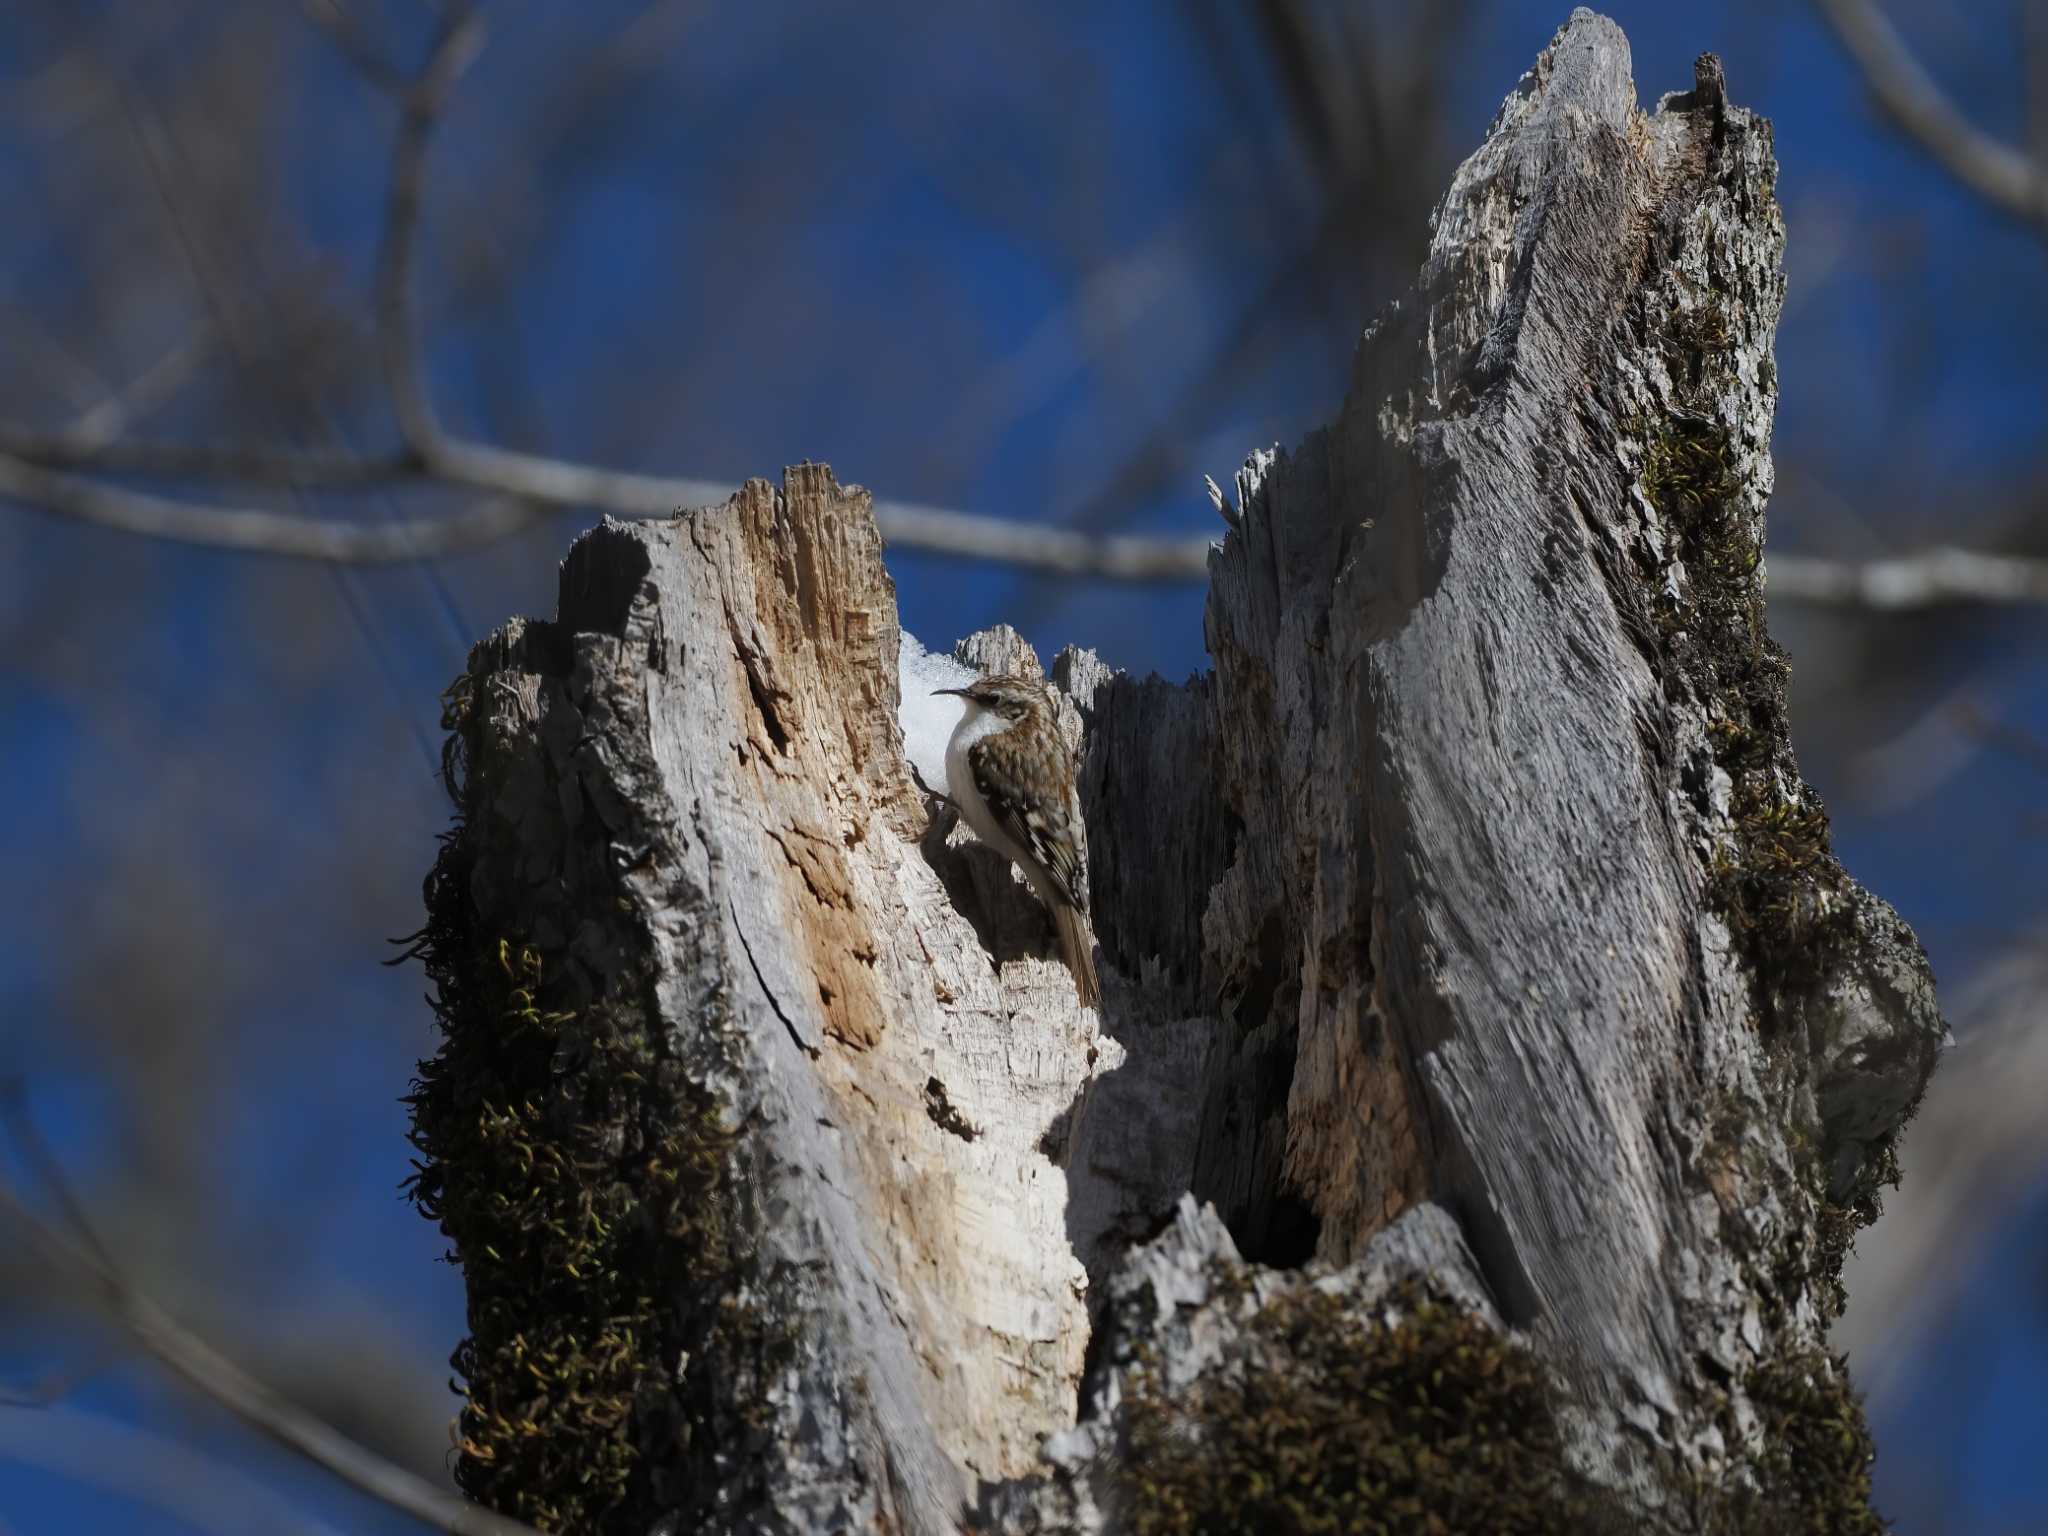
(581, 1180)
(1685, 468)
(1813, 1469)
(1699, 334)
(1777, 886)
(1775, 882)
(1428, 1421)
(1803, 1466)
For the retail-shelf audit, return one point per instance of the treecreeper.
(1012, 776)
(1491, 1063)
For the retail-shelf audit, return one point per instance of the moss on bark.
(583, 1181)
(1416, 1416)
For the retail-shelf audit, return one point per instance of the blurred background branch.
(1924, 580)
(160, 1473)
(2008, 178)
(1338, 109)
(532, 485)
(81, 1264)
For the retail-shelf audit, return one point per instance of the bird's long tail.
(1077, 948)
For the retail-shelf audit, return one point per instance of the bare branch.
(2015, 741)
(1117, 558)
(462, 34)
(630, 495)
(220, 1379)
(342, 28)
(304, 469)
(1995, 171)
(42, 1164)
(1915, 761)
(433, 456)
(27, 460)
(159, 382)
(1928, 579)
(564, 484)
(257, 531)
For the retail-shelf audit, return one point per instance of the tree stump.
(1494, 1061)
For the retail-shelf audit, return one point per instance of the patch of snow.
(928, 722)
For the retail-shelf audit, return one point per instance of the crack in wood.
(766, 991)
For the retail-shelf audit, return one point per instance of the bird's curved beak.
(963, 693)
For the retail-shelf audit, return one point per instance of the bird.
(1009, 771)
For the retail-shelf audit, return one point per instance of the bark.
(1494, 1060)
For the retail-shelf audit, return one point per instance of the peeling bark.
(1475, 965)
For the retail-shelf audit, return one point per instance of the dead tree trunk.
(1495, 1061)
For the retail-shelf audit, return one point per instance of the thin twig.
(1915, 761)
(1997, 172)
(341, 27)
(105, 422)
(45, 1169)
(462, 34)
(220, 1379)
(2015, 741)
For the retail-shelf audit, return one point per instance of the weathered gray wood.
(1469, 921)
(701, 751)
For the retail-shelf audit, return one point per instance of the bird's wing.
(1047, 831)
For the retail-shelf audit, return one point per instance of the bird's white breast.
(976, 725)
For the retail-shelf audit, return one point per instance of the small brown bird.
(1010, 773)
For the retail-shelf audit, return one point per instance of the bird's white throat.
(977, 725)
